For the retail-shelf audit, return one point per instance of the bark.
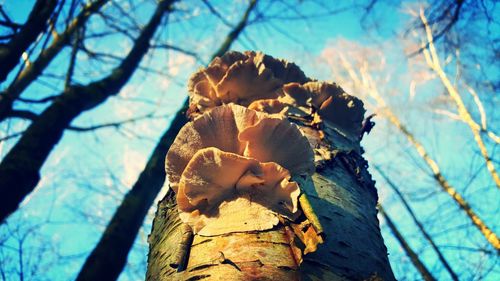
(422, 269)
(341, 210)
(36, 24)
(258, 256)
(344, 198)
(420, 226)
(31, 72)
(19, 170)
(345, 202)
(109, 256)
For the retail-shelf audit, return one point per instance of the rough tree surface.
(329, 232)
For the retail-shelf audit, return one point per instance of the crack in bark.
(230, 262)
(200, 267)
(198, 277)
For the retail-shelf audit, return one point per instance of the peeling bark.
(353, 248)
(264, 255)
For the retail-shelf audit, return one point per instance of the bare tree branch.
(32, 72)
(178, 49)
(21, 166)
(36, 23)
(433, 61)
(217, 14)
(42, 100)
(418, 223)
(365, 80)
(116, 124)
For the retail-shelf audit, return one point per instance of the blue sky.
(87, 174)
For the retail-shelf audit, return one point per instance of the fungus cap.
(218, 128)
(328, 102)
(236, 129)
(278, 140)
(241, 78)
(212, 182)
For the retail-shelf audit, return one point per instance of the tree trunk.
(353, 248)
(419, 265)
(420, 226)
(19, 170)
(36, 24)
(109, 256)
(338, 237)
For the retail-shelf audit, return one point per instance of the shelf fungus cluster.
(257, 127)
(279, 88)
(231, 170)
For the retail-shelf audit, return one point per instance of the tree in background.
(23, 36)
(20, 168)
(105, 262)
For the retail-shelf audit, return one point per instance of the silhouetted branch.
(33, 71)
(116, 124)
(8, 22)
(443, 14)
(217, 14)
(36, 23)
(42, 100)
(21, 166)
(24, 114)
(418, 223)
(178, 49)
(11, 136)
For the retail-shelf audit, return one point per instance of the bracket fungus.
(316, 103)
(330, 103)
(241, 78)
(232, 156)
(232, 166)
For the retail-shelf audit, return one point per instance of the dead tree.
(273, 188)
